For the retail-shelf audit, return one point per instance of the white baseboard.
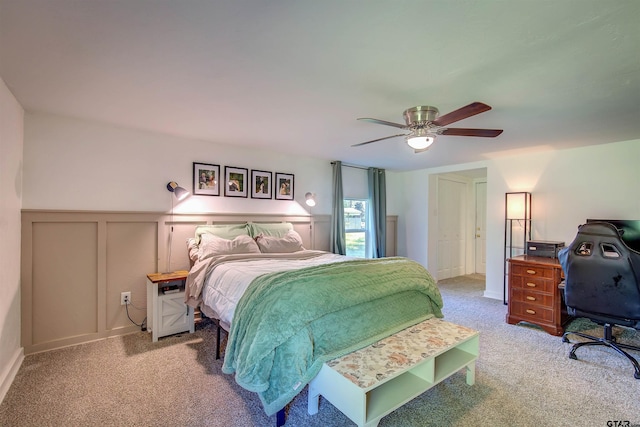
(10, 373)
(492, 295)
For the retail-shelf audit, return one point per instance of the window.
(355, 225)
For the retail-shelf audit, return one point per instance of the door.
(481, 224)
(452, 208)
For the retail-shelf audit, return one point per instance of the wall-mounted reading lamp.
(310, 199)
(180, 194)
(178, 191)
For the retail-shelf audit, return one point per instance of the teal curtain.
(338, 240)
(377, 247)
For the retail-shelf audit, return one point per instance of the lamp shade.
(310, 199)
(518, 205)
(178, 191)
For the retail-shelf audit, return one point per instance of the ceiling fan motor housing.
(420, 114)
(425, 125)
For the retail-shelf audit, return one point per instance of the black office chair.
(602, 279)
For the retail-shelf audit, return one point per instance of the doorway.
(452, 207)
(461, 223)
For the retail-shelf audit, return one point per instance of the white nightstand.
(167, 313)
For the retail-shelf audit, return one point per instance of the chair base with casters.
(602, 284)
(607, 340)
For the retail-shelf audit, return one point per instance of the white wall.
(407, 197)
(108, 168)
(567, 187)
(103, 167)
(11, 140)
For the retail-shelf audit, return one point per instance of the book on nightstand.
(170, 289)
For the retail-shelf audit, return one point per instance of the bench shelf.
(372, 382)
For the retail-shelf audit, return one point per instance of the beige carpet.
(523, 378)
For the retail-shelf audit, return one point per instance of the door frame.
(478, 200)
(469, 177)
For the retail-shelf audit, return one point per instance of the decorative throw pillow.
(226, 231)
(276, 229)
(290, 242)
(211, 245)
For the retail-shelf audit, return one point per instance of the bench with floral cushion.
(370, 383)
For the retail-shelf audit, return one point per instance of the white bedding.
(227, 282)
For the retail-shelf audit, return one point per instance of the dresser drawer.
(533, 284)
(532, 271)
(530, 312)
(530, 297)
(533, 293)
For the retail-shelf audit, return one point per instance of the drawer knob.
(531, 271)
(531, 312)
(531, 285)
(531, 298)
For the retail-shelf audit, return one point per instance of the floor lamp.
(517, 230)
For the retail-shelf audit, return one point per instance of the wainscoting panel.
(65, 281)
(132, 250)
(75, 264)
(392, 235)
(177, 241)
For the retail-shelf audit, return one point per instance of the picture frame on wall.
(235, 181)
(284, 186)
(206, 179)
(261, 184)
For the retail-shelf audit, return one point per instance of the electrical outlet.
(125, 298)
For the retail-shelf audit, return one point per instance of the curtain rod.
(351, 166)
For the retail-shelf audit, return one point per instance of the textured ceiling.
(293, 76)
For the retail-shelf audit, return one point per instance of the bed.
(289, 309)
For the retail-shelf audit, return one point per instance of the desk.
(534, 296)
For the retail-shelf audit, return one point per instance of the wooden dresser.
(534, 296)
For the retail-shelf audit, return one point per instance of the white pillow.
(290, 242)
(277, 229)
(193, 249)
(226, 231)
(211, 245)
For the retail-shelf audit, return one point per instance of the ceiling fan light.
(420, 142)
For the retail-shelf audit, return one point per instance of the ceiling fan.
(424, 125)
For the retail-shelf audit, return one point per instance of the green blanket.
(288, 324)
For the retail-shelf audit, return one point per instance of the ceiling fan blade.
(485, 133)
(462, 113)
(384, 122)
(379, 139)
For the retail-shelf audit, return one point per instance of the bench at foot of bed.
(370, 383)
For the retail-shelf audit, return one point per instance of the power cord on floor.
(143, 324)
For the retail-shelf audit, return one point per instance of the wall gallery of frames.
(237, 183)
